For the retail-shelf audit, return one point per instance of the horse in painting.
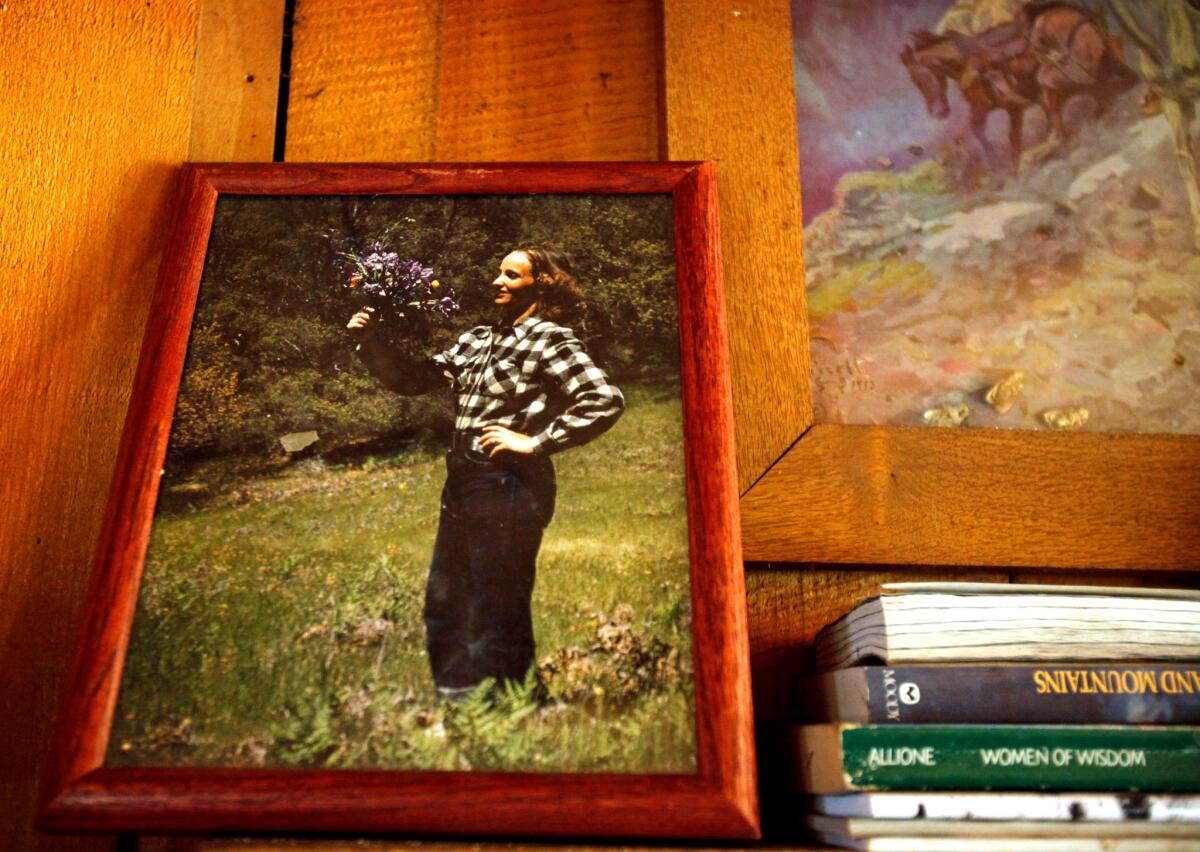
(1050, 53)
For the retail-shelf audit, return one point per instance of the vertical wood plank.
(554, 80)
(728, 83)
(484, 80)
(364, 81)
(94, 117)
(237, 81)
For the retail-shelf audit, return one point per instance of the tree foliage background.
(269, 354)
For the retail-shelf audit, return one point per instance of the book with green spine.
(836, 758)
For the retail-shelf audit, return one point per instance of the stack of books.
(978, 716)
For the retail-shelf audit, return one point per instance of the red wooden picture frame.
(718, 801)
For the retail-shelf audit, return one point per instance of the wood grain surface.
(552, 80)
(343, 801)
(237, 81)
(201, 844)
(94, 115)
(720, 649)
(95, 673)
(442, 178)
(466, 80)
(870, 494)
(210, 844)
(728, 68)
(364, 81)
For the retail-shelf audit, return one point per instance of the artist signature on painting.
(842, 376)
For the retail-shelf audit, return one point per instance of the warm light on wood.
(872, 494)
(728, 68)
(94, 118)
(237, 81)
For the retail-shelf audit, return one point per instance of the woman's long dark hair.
(559, 298)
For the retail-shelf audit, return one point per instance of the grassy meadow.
(279, 619)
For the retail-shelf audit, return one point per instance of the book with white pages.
(1069, 807)
(968, 622)
(951, 843)
(853, 827)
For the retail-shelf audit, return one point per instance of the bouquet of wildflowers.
(400, 286)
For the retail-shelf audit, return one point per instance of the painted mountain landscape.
(1002, 216)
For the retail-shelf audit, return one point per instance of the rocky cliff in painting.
(1062, 291)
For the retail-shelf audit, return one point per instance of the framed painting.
(905, 253)
(425, 516)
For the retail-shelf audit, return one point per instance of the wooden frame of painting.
(872, 495)
(717, 800)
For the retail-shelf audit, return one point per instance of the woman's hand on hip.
(497, 438)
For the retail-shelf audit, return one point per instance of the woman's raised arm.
(397, 371)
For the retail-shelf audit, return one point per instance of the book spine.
(1035, 694)
(1020, 757)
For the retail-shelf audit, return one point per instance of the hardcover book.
(837, 758)
(1029, 693)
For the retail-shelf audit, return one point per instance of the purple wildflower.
(399, 283)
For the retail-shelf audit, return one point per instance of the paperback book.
(1003, 843)
(1029, 693)
(855, 827)
(876, 834)
(1068, 807)
(979, 622)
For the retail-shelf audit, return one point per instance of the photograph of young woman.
(525, 388)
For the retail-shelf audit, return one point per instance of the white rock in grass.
(294, 442)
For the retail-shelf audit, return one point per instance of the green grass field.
(279, 620)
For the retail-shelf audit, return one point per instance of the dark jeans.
(477, 602)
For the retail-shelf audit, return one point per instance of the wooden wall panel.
(98, 109)
(237, 81)
(725, 61)
(552, 80)
(465, 80)
(363, 81)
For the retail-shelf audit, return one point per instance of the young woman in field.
(526, 388)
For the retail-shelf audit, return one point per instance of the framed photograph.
(425, 516)
(886, 263)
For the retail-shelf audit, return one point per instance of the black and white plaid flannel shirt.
(534, 377)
